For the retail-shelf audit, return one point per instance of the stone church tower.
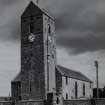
(38, 55)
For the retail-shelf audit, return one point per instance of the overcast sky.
(80, 36)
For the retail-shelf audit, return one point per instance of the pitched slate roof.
(72, 74)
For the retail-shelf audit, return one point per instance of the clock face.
(31, 37)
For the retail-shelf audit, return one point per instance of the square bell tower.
(38, 53)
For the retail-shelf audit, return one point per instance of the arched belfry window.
(31, 27)
(31, 24)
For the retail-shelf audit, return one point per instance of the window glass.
(49, 29)
(83, 89)
(76, 89)
(66, 80)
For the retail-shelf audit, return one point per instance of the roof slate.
(72, 74)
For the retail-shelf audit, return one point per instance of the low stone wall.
(65, 102)
(30, 102)
(100, 101)
(76, 102)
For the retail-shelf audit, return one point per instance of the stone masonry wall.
(49, 52)
(32, 54)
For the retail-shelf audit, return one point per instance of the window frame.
(76, 89)
(84, 89)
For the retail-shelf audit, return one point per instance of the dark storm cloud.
(80, 25)
(76, 15)
(83, 43)
(77, 21)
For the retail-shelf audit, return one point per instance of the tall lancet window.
(49, 32)
(83, 89)
(76, 90)
(49, 29)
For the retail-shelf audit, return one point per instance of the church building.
(40, 77)
(72, 84)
